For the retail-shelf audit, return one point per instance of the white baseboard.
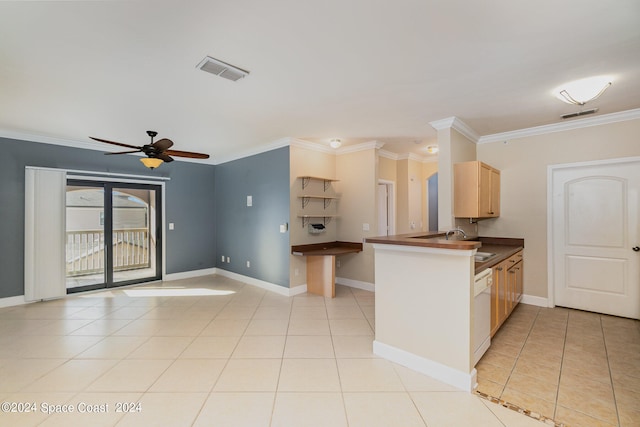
(189, 274)
(289, 292)
(11, 301)
(446, 374)
(356, 284)
(533, 300)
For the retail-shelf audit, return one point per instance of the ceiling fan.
(157, 152)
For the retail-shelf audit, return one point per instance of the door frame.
(391, 209)
(551, 169)
(116, 180)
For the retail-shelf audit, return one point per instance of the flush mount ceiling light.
(579, 92)
(222, 69)
(432, 149)
(335, 143)
(151, 162)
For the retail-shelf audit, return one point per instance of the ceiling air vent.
(579, 113)
(222, 69)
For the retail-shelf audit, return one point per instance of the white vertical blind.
(45, 204)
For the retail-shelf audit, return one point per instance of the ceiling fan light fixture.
(335, 143)
(151, 162)
(222, 69)
(432, 149)
(579, 92)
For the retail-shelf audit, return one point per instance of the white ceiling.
(358, 70)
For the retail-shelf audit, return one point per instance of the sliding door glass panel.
(134, 238)
(85, 237)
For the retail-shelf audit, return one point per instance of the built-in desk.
(321, 264)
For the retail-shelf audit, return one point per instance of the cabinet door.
(519, 279)
(499, 276)
(485, 208)
(494, 304)
(489, 193)
(511, 286)
(494, 207)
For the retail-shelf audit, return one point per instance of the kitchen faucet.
(453, 231)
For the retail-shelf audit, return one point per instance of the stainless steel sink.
(483, 256)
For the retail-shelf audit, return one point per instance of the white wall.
(523, 164)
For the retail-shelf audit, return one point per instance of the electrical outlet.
(171, 226)
(365, 227)
(228, 260)
(296, 272)
(248, 264)
(222, 258)
(337, 263)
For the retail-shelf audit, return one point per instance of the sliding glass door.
(113, 234)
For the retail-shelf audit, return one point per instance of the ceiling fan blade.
(162, 144)
(115, 143)
(164, 157)
(186, 154)
(123, 152)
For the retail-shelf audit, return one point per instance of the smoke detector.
(222, 69)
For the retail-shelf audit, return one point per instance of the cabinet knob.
(636, 248)
(499, 268)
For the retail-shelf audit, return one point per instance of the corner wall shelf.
(326, 219)
(306, 179)
(306, 197)
(326, 199)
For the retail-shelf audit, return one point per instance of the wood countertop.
(327, 248)
(426, 239)
(501, 246)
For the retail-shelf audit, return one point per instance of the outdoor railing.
(85, 250)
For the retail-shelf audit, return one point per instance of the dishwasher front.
(482, 313)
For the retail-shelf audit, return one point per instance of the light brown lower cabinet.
(506, 292)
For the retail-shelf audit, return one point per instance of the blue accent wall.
(189, 199)
(433, 202)
(253, 233)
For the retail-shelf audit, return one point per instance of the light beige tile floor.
(572, 366)
(246, 357)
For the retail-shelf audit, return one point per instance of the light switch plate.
(365, 227)
(171, 226)
(249, 200)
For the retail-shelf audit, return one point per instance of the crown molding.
(314, 146)
(23, 136)
(442, 123)
(407, 156)
(370, 145)
(458, 125)
(387, 154)
(84, 145)
(564, 126)
(411, 156)
(279, 143)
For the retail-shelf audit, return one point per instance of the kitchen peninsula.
(425, 301)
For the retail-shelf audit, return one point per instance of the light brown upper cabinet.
(476, 190)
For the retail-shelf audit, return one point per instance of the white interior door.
(383, 210)
(596, 254)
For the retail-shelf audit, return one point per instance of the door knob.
(636, 248)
